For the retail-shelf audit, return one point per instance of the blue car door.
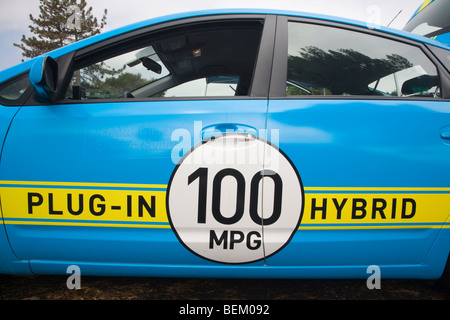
(87, 179)
(359, 114)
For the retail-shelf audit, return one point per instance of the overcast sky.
(14, 16)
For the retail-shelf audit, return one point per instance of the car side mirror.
(43, 77)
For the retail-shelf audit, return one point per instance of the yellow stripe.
(424, 5)
(376, 210)
(87, 224)
(372, 189)
(302, 227)
(97, 205)
(83, 184)
(37, 203)
(373, 227)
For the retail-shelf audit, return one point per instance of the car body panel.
(380, 167)
(88, 183)
(9, 262)
(129, 148)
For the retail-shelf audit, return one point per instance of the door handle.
(223, 128)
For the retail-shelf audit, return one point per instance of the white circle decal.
(235, 199)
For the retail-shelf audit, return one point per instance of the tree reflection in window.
(340, 72)
(325, 60)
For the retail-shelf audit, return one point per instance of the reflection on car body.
(229, 144)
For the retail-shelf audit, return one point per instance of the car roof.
(192, 14)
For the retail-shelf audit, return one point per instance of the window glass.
(443, 55)
(14, 89)
(331, 61)
(118, 76)
(206, 87)
(197, 61)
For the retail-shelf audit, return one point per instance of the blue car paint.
(106, 133)
(365, 135)
(36, 76)
(92, 143)
(430, 268)
(317, 135)
(50, 121)
(78, 127)
(9, 263)
(443, 38)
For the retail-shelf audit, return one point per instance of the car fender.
(9, 263)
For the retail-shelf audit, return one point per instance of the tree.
(60, 23)
(115, 86)
(125, 82)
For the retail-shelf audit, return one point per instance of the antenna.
(395, 17)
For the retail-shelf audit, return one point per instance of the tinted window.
(201, 60)
(118, 76)
(205, 87)
(331, 61)
(443, 55)
(13, 90)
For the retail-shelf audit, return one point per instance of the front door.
(88, 179)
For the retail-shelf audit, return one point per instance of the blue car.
(229, 143)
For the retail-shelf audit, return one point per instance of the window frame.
(259, 88)
(279, 73)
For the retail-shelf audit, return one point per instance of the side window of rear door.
(346, 63)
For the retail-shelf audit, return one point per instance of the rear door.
(87, 179)
(360, 116)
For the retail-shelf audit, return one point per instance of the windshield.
(432, 17)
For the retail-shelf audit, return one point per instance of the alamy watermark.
(374, 280)
(373, 17)
(74, 280)
(224, 140)
(74, 20)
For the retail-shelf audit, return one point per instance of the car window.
(207, 87)
(331, 61)
(443, 55)
(202, 60)
(116, 77)
(13, 90)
